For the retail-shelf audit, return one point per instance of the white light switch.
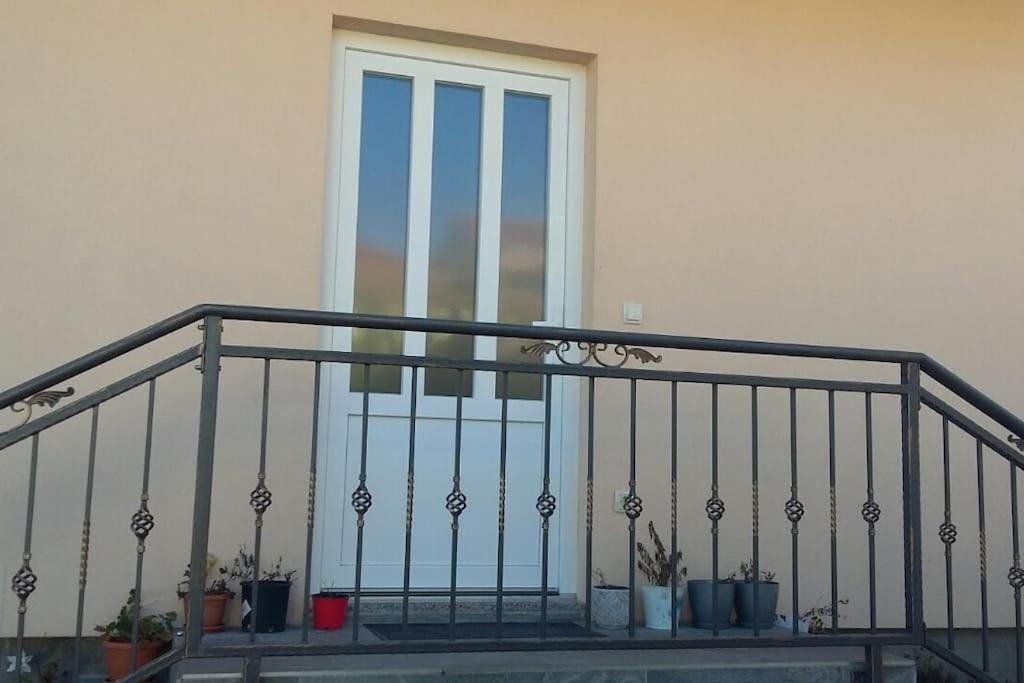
(620, 500)
(632, 313)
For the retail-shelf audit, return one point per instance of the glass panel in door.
(454, 229)
(524, 217)
(382, 223)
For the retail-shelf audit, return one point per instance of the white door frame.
(346, 43)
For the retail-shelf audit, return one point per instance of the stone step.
(795, 665)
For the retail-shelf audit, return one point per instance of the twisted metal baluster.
(982, 559)
(361, 503)
(502, 466)
(870, 512)
(455, 503)
(755, 511)
(947, 532)
(633, 506)
(142, 523)
(409, 494)
(311, 503)
(674, 506)
(1016, 574)
(23, 583)
(590, 499)
(546, 507)
(832, 511)
(715, 509)
(260, 500)
(83, 565)
(794, 511)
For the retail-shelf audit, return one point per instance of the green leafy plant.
(930, 670)
(659, 567)
(49, 672)
(216, 578)
(243, 568)
(816, 616)
(746, 573)
(151, 627)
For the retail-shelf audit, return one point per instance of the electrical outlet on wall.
(632, 313)
(620, 501)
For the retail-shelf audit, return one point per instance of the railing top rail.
(100, 356)
(96, 398)
(335, 319)
(559, 369)
(971, 428)
(947, 378)
(663, 341)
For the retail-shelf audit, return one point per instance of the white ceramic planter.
(658, 605)
(803, 625)
(610, 607)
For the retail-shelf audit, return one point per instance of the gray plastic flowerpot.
(702, 602)
(768, 600)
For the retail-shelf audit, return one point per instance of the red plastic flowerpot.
(329, 611)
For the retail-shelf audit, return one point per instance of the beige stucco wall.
(830, 172)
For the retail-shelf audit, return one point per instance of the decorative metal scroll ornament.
(48, 398)
(591, 351)
(1017, 441)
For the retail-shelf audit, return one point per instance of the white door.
(452, 194)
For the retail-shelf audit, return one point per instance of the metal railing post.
(910, 375)
(210, 367)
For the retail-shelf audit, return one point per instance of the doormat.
(480, 631)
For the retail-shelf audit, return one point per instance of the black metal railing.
(588, 359)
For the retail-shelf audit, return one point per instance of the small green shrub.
(151, 627)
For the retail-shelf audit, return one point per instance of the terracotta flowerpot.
(119, 656)
(214, 605)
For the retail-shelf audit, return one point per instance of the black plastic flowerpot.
(271, 605)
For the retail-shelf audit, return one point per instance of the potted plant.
(329, 607)
(274, 589)
(610, 603)
(155, 632)
(215, 597)
(768, 598)
(702, 602)
(659, 569)
(929, 669)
